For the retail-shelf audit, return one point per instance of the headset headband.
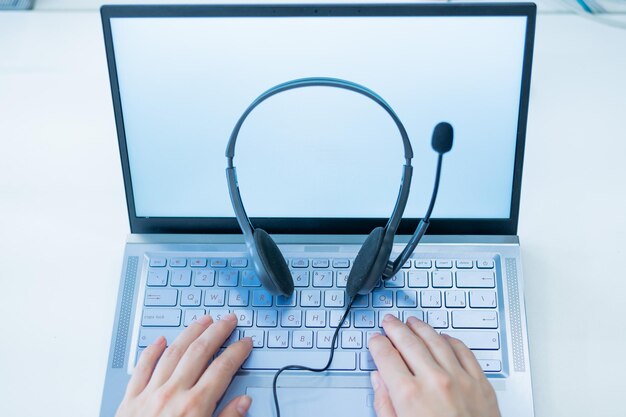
(231, 173)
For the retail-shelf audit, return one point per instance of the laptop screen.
(317, 153)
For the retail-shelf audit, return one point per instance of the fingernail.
(375, 380)
(412, 320)
(243, 405)
(389, 317)
(231, 317)
(204, 320)
(375, 334)
(159, 341)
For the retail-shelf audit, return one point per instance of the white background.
(63, 218)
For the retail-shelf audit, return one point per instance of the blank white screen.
(319, 152)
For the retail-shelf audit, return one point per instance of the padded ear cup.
(361, 273)
(275, 276)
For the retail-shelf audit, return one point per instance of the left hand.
(176, 381)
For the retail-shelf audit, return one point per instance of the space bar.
(267, 359)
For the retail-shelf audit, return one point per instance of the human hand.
(181, 384)
(422, 373)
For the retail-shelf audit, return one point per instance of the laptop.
(319, 169)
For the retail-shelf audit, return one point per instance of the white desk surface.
(63, 217)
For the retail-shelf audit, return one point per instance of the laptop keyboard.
(455, 296)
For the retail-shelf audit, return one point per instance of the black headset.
(372, 262)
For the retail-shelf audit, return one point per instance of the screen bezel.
(352, 226)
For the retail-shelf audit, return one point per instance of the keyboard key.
(407, 264)
(438, 319)
(190, 297)
(218, 263)
(464, 264)
(157, 278)
(181, 278)
(366, 362)
(282, 301)
(299, 263)
(164, 317)
(257, 336)
(396, 281)
(442, 279)
(234, 336)
(310, 298)
(364, 318)
(261, 298)
(178, 262)
(315, 318)
(320, 263)
(322, 278)
(204, 278)
(485, 263)
(291, 318)
(413, 313)
(418, 279)
(214, 298)
(227, 278)
(324, 339)
(335, 318)
(275, 339)
(475, 279)
(272, 360)
(406, 298)
(455, 299)
(341, 263)
(477, 339)
(302, 339)
(192, 315)
(475, 319)
(342, 278)
(218, 313)
(423, 263)
(197, 262)
(300, 278)
(267, 318)
(482, 299)
(158, 262)
(238, 263)
(361, 301)
(382, 298)
(369, 335)
(490, 365)
(147, 335)
(443, 263)
(161, 297)
(334, 298)
(250, 279)
(351, 339)
(431, 298)
(383, 313)
(238, 297)
(244, 318)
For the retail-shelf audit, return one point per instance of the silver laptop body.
(185, 256)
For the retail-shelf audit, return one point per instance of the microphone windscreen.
(442, 137)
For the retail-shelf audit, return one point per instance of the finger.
(413, 350)
(438, 347)
(466, 357)
(145, 366)
(200, 351)
(217, 377)
(382, 402)
(238, 407)
(176, 350)
(392, 368)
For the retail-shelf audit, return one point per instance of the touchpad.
(313, 402)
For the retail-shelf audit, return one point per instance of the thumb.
(238, 407)
(382, 402)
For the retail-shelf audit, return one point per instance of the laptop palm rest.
(313, 402)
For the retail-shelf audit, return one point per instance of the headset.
(373, 259)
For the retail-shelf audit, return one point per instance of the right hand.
(422, 373)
